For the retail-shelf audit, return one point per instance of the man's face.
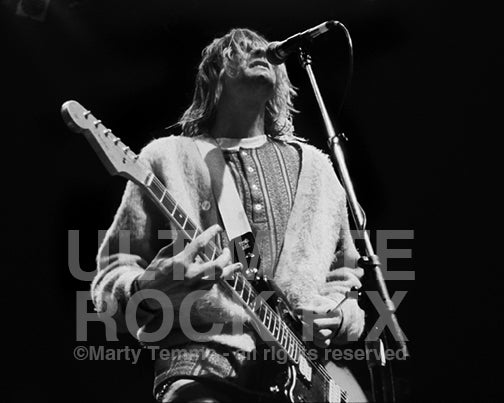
(251, 71)
(256, 66)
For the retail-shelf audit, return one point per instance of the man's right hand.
(178, 275)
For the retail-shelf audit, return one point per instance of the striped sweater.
(266, 174)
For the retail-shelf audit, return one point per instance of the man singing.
(295, 206)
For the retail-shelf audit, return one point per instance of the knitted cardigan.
(317, 240)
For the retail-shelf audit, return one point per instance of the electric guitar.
(304, 378)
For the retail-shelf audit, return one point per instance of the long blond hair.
(220, 57)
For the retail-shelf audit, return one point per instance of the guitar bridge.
(336, 394)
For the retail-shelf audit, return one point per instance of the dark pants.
(199, 392)
(206, 372)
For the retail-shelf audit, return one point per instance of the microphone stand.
(377, 365)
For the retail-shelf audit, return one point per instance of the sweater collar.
(234, 144)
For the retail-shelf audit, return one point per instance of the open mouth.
(259, 62)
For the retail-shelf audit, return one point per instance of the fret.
(287, 337)
(281, 332)
(189, 226)
(244, 292)
(257, 304)
(276, 331)
(248, 294)
(265, 315)
(172, 207)
(272, 324)
(156, 190)
(165, 193)
(289, 345)
(162, 195)
(252, 298)
(255, 301)
(267, 319)
(243, 284)
(296, 352)
(169, 204)
(262, 312)
(292, 347)
(239, 285)
(149, 179)
(283, 337)
(289, 348)
(185, 222)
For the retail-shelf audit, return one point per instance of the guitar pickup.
(305, 368)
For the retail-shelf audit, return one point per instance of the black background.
(417, 106)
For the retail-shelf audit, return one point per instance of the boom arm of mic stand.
(370, 259)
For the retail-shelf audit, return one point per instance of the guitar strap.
(231, 210)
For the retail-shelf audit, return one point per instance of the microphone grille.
(272, 53)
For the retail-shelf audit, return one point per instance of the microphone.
(277, 52)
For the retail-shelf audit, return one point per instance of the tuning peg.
(97, 122)
(86, 114)
(106, 132)
(126, 149)
(117, 140)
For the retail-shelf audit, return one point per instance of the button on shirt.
(266, 174)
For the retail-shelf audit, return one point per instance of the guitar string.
(300, 346)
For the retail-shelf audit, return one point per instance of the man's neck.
(235, 119)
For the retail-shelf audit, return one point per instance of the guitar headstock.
(115, 155)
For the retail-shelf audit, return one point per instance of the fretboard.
(119, 159)
(275, 327)
(271, 328)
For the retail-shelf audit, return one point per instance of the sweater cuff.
(143, 304)
(144, 312)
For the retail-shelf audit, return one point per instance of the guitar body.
(344, 377)
(287, 385)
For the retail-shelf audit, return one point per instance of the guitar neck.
(119, 159)
(270, 326)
